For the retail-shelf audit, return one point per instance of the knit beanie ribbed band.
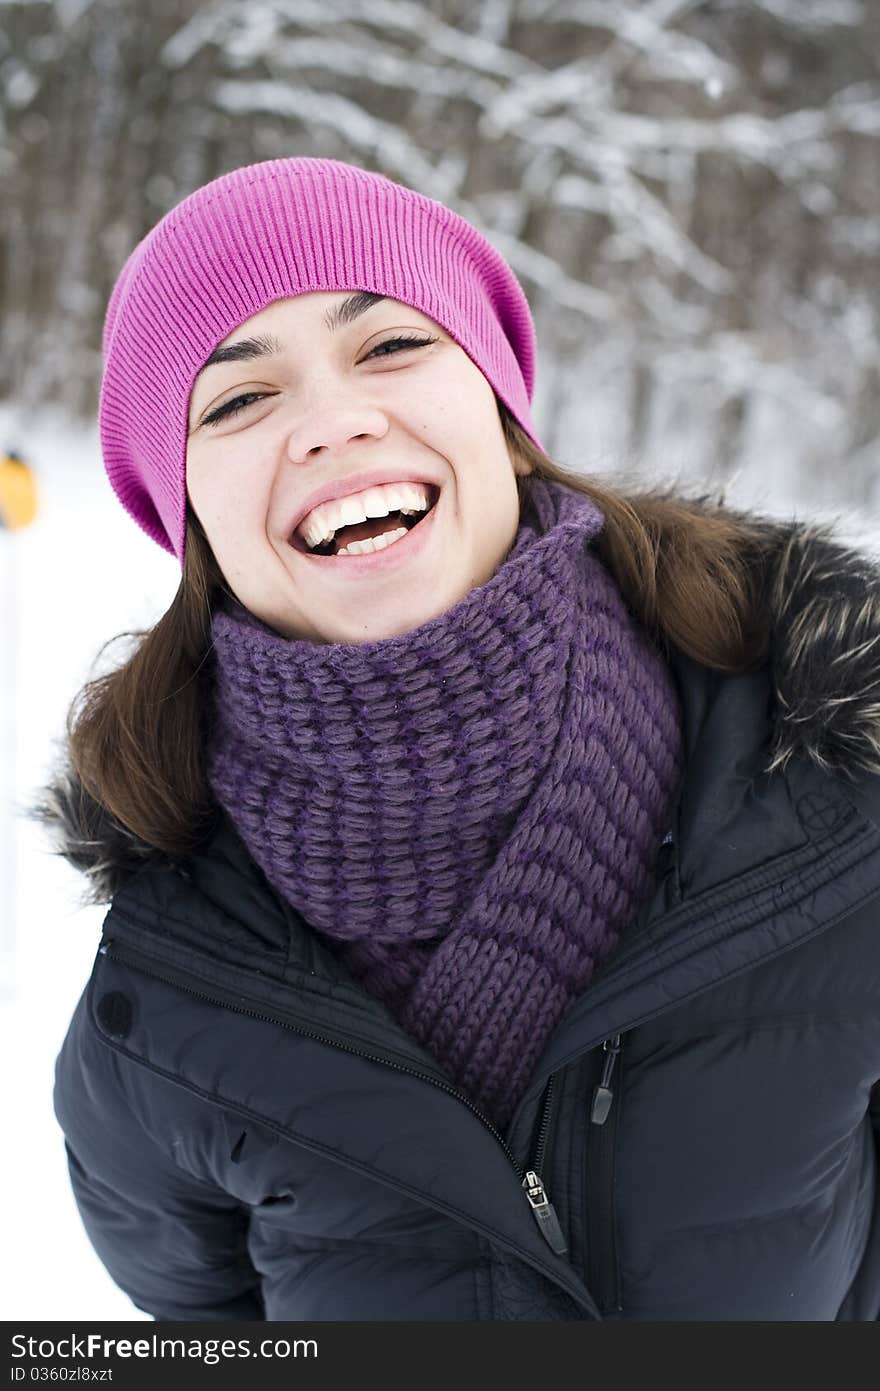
(265, 232)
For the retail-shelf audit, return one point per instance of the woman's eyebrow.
(243, 351)
(249, 348)
(350, 309)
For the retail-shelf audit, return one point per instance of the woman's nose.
(332, 428)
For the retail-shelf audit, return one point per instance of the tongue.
(373, 526)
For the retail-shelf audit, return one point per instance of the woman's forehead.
(330, 310)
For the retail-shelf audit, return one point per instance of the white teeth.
(374, 543)
(350, 511)
(375, 502)
(324, 521)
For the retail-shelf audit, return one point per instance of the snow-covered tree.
(688, 190)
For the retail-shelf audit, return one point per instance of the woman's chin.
(364, 627)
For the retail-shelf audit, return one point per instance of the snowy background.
(689, 191)
(79, 574)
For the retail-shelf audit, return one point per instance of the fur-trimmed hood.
(824, 669)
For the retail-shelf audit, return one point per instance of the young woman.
(493, 857)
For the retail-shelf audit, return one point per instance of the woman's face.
(317, 395)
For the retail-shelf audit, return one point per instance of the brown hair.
(135, 735)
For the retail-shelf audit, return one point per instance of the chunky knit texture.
(266, 232)
(468, 813)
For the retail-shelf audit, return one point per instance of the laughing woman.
(492, 857)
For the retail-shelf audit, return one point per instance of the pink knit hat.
(266, 232)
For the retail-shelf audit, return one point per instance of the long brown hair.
(136, 735)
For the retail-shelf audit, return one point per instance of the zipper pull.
(544, 1213)
(603, 1095)
(665, 854)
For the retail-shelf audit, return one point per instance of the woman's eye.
(386, 349)
(238, 403)
(395, 345)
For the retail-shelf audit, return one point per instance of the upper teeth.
(324, 521)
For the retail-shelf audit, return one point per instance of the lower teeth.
(374, 543)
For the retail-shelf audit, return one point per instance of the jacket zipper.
(543, 1210)
(599, 1178)
(539, 1204)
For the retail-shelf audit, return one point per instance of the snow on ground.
(80, 574)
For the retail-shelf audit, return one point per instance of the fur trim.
(92, 840)
(824, 609)
(825, 604)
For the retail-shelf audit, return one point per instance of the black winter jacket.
(250, 1136)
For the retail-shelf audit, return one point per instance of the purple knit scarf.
(469, 813)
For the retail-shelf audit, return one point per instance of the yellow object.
(18, 493)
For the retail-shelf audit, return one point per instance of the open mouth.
(369, 536)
